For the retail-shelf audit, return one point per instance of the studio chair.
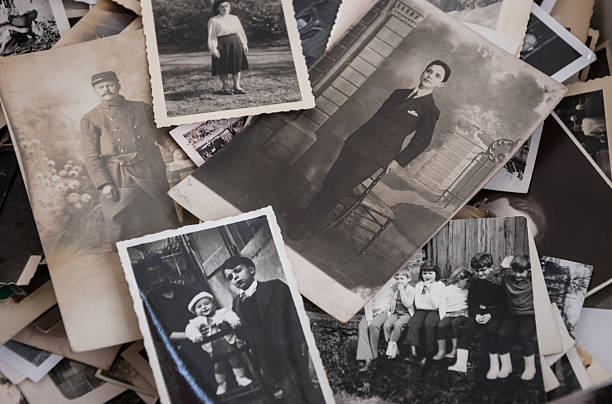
(364, 210)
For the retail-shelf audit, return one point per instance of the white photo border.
(122, 249)
(162, 119)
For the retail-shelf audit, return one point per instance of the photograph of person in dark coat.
(273, 331)
(380, 143)
(120, 148)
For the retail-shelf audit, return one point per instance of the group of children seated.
(496, 301)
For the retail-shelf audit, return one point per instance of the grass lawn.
(189, 87)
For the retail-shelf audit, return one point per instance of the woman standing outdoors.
(227, 43)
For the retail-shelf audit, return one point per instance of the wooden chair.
(365, 210)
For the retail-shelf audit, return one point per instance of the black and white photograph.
(567, 283)
(224, 59)
(20, 249)
(31, 362)
(551, 48)
(30, 26)
(136, 356)
(315, 21)
(546, 5)
(586, 114)
(507, 17)
(70, 382)
(598, 394)
(122, 373)
(603, 65)
(516, 174)
(200, 141)
(99, 174)
(591, 43)
(559, 229)
(456, 324)
(221, 316)
(348, 200)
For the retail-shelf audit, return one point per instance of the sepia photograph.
(70, 382)
(224, 59)
(201, 140)
(551, 48)
(586, 114)
(350, 197)
(567, 283)
(221, 316)
(455, 324)
(102, 178)
(516, 174)
(31, 26)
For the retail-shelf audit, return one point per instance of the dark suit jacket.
(275, 333)
(380, 139)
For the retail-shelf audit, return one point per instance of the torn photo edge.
(122, 248)
(159, 102)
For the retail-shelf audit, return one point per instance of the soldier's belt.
(121, 158)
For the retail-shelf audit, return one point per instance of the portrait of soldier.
(381, 142)
(121, 150)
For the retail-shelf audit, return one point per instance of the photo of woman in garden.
(228, 47)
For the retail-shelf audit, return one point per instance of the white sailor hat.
(197, 297)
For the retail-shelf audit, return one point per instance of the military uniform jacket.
(119, 141)
(381, 138)
(122, 130)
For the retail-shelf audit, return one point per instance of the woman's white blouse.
(226, 25)
(431, 299)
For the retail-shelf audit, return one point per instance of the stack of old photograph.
(305, 201)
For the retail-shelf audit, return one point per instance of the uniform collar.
(117, 101)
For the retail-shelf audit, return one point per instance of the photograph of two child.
(224, 317)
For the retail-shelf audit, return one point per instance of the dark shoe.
(239, 91)
(224, 92)
(412, 358)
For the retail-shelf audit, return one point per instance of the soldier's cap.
(103, 76)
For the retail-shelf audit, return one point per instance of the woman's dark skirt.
(233, 59)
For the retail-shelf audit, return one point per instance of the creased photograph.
(225, 59)
(221, 316)
(456, 324)
(586, 113)
(122, 373)
(354, 201)
(97, 171)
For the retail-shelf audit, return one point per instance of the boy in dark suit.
(378, 144)
(273, 330)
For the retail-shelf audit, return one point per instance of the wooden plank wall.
(460, 240)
